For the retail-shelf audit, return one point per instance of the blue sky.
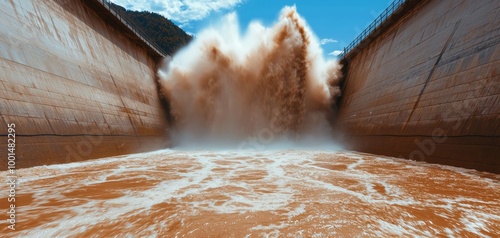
(338, 22)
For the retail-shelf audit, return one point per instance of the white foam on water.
(286, 183)
(299, 210)
(392, 229)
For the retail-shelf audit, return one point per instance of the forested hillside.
(160, 30)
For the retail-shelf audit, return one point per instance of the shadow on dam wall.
(77, 83)
(425, 86)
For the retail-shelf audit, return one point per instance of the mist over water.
(265, 86)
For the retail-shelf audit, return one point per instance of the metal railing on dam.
(81, 87)
(371, 31)
(422, 84)
(133, 26)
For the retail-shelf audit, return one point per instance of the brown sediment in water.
(227, 86)
(280, 193)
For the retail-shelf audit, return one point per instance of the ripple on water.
(294, 193)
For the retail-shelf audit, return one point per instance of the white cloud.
(182, 11)
(336, 52)
(327, 40)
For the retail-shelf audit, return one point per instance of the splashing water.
(273, 81)
(289, 193)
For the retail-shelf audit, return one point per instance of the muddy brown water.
(292, 193)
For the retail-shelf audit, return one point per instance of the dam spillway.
(77, 77)
(80, 84)
(87, 84)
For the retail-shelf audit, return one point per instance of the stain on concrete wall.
(428, 88)
(76, 86)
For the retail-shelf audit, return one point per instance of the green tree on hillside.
(163, 32)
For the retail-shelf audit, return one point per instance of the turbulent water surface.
(228, 85)
(285, 193)
(265, 88)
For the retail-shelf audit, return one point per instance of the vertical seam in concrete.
(123, 103)
(431, 73)
(50, 125)
(396, 31)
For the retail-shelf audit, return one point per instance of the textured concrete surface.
(428, 88)
(76, 85)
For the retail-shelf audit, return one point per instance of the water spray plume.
(226, 86)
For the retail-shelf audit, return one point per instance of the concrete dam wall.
(77, 82)
(426, 85)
